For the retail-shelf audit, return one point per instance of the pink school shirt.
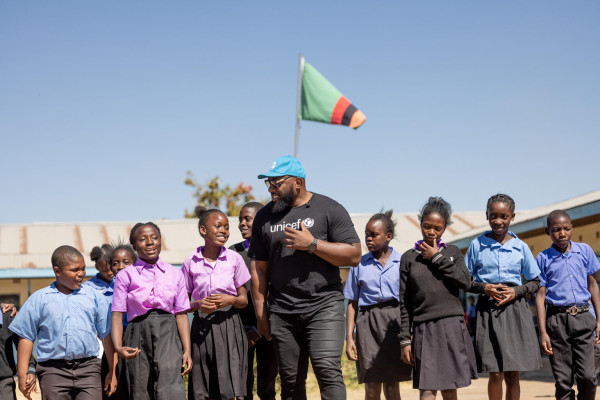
(142, 287)
(228, 274)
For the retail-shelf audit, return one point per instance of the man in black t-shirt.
(298, 242)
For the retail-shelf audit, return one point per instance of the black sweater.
(7, 356)
(247, 313)
(429, 288)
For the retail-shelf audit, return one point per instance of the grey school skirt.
(505, 337)
(379, 351)
(156, 372)
(220, 356)
(444, 355)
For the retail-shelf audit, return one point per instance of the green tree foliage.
(212, 195)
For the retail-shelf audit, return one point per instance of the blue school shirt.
(565, 275)
(371, 283)
(492, 262)
(100, 285)
(66, 326)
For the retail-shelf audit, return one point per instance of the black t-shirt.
(300, 282)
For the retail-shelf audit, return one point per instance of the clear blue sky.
(105, 105)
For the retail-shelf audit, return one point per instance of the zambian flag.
(322, 102)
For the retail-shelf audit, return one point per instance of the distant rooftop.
(527, 221)
(29, 246)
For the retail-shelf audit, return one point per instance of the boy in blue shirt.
(65, 318)
(567, 285)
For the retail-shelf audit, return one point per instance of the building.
(25, 249)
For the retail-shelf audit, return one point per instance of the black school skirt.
(444, 355)
(379, 351)
(220, 356)
(505, 338)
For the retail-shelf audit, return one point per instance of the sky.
(105, 105)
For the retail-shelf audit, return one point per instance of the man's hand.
(263, 327)
(297, 239)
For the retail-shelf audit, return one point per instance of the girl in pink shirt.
(215, 278)
(156, 344)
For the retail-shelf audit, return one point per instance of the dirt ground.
(530, 390)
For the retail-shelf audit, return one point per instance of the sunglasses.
(276, 183)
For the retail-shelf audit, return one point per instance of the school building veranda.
(25, 249)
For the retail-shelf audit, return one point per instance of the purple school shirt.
(142, 287)
(202, 279)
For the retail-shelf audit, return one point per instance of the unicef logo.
(309, 222)
(274, 164)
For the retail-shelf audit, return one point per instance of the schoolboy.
(567, 285)
(8, 369)
(66, 318)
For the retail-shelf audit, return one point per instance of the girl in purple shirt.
(215, 278)
(156, 344)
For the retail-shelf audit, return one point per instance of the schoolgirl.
(121, 256)
(103, 279)
(505, 338)
(431, 275)
(156, 344)
(215, 278)
(373, 307)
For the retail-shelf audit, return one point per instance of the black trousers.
(318, 335)
(572, 361)
(266, 370)
(70, 380)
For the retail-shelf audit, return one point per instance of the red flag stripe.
(338, 111)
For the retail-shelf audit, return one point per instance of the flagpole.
(298, 99)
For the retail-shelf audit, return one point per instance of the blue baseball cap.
(285, 165)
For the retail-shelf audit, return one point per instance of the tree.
(212, 195)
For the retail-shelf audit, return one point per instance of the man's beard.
(284, 202)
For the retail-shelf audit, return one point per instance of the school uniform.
(375, 287)
(264, 350)
(441, 346)
(505, 338)
(219, 343)
(151, 294)
(99, 284)
(106, 289)
(8, 369)
(569, 322)
(66, 327)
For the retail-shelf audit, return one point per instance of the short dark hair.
(501, 198)
(121, 245)
(386, 219)
(555, 215)
(202, 213)
(101, 252)
(255, 205)
(63, 254)
(436, 205)
(138, 226)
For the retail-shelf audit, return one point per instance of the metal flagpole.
(298, 99)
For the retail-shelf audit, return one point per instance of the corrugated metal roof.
(28, 247)
(525, 221)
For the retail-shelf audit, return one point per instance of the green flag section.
(322, 102)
